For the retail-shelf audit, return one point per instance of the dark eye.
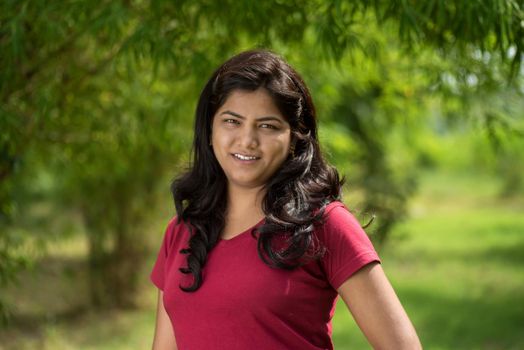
(269, 126)
(231, 121)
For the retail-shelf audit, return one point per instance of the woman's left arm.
(377, 310)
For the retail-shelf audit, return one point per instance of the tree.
(71, 71)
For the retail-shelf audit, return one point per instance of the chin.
(246, 184)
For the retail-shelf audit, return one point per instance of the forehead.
(251, 104)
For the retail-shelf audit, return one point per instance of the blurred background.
(420, 106)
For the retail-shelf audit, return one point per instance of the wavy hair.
(297, 193)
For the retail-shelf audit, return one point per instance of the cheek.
(285, 142)
(219, 138)
(215, 132)
(225, 142)
(280, 148)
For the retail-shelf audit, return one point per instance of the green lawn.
(457, 266)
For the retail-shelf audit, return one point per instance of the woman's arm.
(164, 336)
(377, 310)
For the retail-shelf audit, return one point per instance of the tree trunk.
(115, 261)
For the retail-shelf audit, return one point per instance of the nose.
(248, 137)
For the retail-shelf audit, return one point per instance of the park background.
(420, 106)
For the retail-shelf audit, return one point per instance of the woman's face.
(250, 138)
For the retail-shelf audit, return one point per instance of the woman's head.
(243, 100)
(251, 73)
(251, 138)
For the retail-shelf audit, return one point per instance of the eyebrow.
(265, 118)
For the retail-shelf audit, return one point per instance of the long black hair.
(297, 193)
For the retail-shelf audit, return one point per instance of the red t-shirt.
(244, 304)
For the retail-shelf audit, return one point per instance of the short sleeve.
(348, 246)
(159, 269)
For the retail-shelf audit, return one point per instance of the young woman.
(262, 246)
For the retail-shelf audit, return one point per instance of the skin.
(249, 123)
(377, 310)
(164, 338)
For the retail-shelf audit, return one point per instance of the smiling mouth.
(244, 157)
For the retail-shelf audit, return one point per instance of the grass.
(457, 265)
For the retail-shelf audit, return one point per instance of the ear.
(292, 146)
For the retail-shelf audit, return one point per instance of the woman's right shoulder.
(176, 231)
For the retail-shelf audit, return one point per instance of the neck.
(245, 201)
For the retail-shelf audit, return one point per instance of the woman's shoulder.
(176, 230)
(174, 221)
(332, 205)
(337, 217)
(334, 211)
(348, 248)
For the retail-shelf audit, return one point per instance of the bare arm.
(164, 336)
(373, 303)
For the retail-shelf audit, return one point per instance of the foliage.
(103, 93)
(488, 26)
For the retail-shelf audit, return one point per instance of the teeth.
(239, 156)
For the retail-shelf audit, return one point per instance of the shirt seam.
(352, 266)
